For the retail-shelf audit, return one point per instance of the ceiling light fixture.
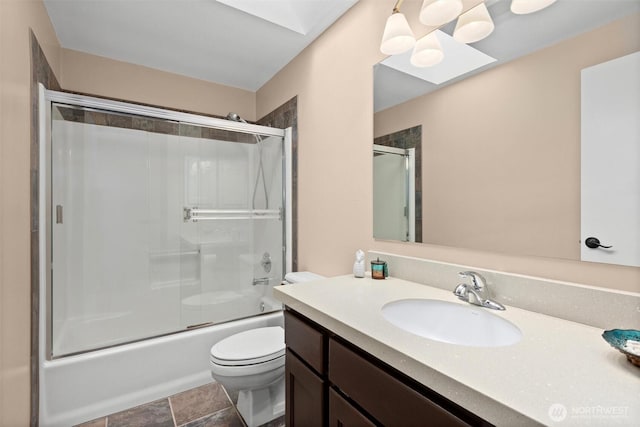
(522, 7)
(397, 36)
(427, 51)
(435, 13)
(474, 25)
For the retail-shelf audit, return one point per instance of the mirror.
(500, 146)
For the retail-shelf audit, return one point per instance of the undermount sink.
(452, 323)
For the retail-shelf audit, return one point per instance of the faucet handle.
(462, 291)
(477, 280)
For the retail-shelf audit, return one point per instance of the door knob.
(594, 243)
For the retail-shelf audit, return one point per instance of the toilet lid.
(249, 347)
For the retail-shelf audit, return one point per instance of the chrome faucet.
(477, 293)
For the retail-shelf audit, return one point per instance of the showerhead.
(235, 117)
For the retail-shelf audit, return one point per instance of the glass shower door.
(158, 226)
(233, 220)
(116, 248)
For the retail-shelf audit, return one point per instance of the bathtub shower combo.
(161, 234)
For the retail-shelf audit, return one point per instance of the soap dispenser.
(358, 265)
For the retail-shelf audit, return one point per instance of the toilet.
(252, 362)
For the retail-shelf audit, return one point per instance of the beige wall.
(508, 178)
(16, 17)
(96, 75)
(333, 79)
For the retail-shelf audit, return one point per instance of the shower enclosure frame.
(46, 99)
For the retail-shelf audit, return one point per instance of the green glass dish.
(620, 340)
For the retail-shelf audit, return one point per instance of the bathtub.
(79, 388)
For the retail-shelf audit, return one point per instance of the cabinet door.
(305, 398)
(343, 414)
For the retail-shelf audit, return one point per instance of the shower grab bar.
(195, 214)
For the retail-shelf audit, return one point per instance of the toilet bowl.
(252, 362)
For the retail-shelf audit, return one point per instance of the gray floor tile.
(198, 402)
(100, 422)
(156, 414)
(226, 418)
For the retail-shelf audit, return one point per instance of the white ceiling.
(239, 43)
(513, 37)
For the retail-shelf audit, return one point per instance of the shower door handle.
(59, 217)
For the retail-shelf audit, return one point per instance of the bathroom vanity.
(347, 365)
(330, 381)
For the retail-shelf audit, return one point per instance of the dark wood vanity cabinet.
(330, 382)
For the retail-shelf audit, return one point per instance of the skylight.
(298, 16)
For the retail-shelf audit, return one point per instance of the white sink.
(453, 323)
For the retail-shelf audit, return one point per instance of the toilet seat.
(250, 347)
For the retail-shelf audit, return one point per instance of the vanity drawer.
(304, 340)
(387, 399)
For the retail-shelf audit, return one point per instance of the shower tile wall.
(153, 125)
(283, 117)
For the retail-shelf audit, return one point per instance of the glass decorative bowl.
(627, 341)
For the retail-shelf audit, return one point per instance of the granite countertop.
(561, 372)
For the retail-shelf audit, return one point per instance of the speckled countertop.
(561, 372)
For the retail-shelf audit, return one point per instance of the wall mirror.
(500, 146)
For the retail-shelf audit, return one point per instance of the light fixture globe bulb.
(435, 13)
(427, 51)
(474, 25)
(521, 7)
(397, 36)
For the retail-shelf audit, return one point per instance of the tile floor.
(207, 406)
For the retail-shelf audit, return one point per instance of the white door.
(610, 169)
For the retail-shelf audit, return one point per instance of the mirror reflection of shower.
(236, 118)
(394, 193)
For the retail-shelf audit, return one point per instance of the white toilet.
(253, 363)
